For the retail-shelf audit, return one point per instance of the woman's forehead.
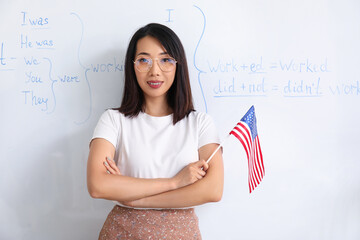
(150, 46)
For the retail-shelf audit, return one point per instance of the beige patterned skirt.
(128, 223)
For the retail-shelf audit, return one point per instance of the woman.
(159, 144)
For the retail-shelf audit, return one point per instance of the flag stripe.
(254, 165)
(256, 162)
(251, 178)
(251, 167)
(261, 172)
(261, 159)
(246, 128)
(242, 142)
(246, 134)
(246, 137)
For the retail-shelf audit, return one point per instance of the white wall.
(296, 61)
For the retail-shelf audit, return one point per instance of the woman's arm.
(208, 189)
(122, 188)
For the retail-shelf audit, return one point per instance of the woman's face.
(155, 83)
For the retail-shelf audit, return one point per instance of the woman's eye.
(167, 60)
(143, 60)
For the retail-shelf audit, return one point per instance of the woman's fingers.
(108, 168)
(205, 165)
(111, 166)
(199, 176)
(201, 172)
(198, 171)
(202, 164)
(191, 173)
(201, 167)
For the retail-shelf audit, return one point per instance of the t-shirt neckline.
(157, 117)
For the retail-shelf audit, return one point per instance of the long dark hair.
(179, 96)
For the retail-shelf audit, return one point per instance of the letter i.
(2, 55)
(24, 19)
(169, 16)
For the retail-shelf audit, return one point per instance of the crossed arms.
(195, 184)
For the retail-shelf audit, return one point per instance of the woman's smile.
(155, 84)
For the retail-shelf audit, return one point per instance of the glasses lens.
(143, 64)
(167, 64)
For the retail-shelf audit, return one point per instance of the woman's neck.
(157, 108)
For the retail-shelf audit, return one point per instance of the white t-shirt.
(152, 147)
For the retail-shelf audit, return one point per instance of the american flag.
(247, 134)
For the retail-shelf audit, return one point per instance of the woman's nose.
(155, 68)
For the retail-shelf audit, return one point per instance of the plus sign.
(243, 66)
(243, 87)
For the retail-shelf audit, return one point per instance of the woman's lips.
(154, 84)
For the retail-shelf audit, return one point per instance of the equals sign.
(273, 65)
(275, 88)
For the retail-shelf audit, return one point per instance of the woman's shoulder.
(113, 112)
(111, 115)
(206, 127)
(199, 115)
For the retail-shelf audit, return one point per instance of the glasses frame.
(152, 63)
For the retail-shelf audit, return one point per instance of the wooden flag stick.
(217, 149)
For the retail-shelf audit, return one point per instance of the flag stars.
(250, 119)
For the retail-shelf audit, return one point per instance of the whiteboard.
(61, 66)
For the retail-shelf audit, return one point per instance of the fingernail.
(108, 171)
(106, 163)
(108, 158)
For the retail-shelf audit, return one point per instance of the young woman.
(149, 155)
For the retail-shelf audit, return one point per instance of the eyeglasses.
(144, 64)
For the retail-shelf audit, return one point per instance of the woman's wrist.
(173, 183)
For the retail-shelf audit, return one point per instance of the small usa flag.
(247, 134)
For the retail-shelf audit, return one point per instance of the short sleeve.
(108, 127)
(207, 130)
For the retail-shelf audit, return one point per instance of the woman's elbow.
(217, 196)
(93, 193)
(94, 190)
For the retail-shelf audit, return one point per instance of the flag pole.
(217, 149)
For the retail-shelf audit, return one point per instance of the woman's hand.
(111, 167)
(191, 173)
